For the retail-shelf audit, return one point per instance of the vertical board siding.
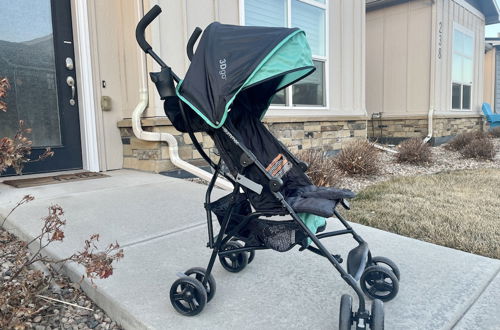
(398, 59)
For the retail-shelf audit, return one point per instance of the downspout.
(432, 71)
(173, 149)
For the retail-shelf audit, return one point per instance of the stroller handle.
(192, 40)
(143, 24)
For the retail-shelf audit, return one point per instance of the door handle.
(71, 83)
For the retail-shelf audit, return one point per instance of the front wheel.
(377, 317)
(188, 296)
(379, 282)
(345, 316)
(233, 262)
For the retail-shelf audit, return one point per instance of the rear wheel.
(345, 316)
(377, 317)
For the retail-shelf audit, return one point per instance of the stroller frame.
(360, 255)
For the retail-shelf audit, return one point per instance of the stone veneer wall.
(397, 129)
(154, 156)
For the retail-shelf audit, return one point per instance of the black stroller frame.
(203, 285)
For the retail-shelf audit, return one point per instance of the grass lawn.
(459, 209)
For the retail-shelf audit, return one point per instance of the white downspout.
(432, 73)
(173, 149)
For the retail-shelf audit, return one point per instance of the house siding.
(398, 57)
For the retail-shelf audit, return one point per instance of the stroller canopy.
(231, 59)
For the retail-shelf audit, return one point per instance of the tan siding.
(489, 77)
(398, 56)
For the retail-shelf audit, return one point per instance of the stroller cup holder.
(164, 82)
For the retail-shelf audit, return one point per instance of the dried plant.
(321, 171)
(483, 149)
(414, 151)
(358, 157)
(4, 87)
(494, 132)
(15, 152)
(461, 140)
(18, 293)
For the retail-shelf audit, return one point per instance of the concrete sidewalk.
(161, 224)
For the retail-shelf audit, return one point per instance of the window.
(310, 16)
(462, 69)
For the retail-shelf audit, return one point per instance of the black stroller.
(233, 76)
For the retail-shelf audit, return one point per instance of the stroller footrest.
(357, 259)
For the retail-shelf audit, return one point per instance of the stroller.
(233, 76)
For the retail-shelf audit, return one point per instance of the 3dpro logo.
(222, 67)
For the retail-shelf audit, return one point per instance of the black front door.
(37, 57)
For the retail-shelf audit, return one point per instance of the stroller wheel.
(188, 296)
(383, 261)
(234, 262)
(379, 282)
(377, 317)
(345, 316)
(199, 274)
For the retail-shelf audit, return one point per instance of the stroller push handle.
(192, 40)
(143, 24)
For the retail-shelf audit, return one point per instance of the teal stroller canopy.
(231, 59)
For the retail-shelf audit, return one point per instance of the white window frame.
(309, 110)
(470, 33)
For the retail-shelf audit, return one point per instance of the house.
(492, 73)
(424, 67)
(95, 71)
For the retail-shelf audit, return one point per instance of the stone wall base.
(396, 130)
(148, 156)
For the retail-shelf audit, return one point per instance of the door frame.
(93, 150)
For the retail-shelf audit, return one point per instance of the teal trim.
(193, 107)
(291, 53)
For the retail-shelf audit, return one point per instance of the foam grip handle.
(192, 40)
(143, 24)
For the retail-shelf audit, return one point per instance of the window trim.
(277, 110)
(470, 33)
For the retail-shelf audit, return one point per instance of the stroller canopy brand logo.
(222, 67)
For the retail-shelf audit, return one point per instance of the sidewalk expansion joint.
(152, 238)
(476, 298)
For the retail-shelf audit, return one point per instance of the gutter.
(173, 149)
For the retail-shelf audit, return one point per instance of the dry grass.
(458, 209)
(414, 151)
(358, 157)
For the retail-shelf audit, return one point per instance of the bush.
(414, 151)
(359, 157)
(495, 132)
(460, 141)
(479, 149)
(321, 169)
